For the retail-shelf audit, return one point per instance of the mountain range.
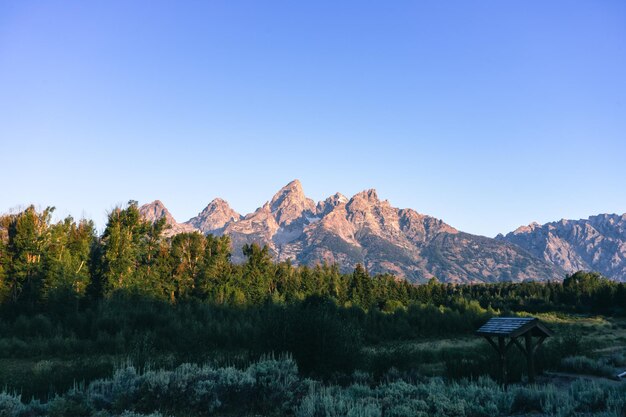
(594, 244)
(363, 229)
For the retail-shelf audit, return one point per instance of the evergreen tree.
(258, 272)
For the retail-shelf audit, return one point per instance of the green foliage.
(482, 398)
(131, 250)
(132, 292)
(66, 262)
(586, 365)
(27, 238)
(323, 338)
(273, 388)
(44, 264)
(198, 264)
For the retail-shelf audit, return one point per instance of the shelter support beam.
(530, 357)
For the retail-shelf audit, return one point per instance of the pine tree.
(258, 272)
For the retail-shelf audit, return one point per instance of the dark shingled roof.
(513, 327)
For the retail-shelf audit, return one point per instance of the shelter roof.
(514, 327)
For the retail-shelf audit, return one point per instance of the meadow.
(226, 366)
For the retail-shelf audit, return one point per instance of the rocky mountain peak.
(290, 193)
(214, 217)
(526, 229)
(364, 201)
(370, 195)
(366, 230)
(155, 211)
(290, 204)
(326, 206)
(217, 205)
(218, 202)
(339, 198)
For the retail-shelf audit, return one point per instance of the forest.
(129, 322)
(44, 265)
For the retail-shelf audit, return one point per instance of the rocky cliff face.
(214, 217)
(364, 229)
(156, 210)
(278, 223)
(410, 245)
(597, 243)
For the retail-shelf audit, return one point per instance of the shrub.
(272, 387)
(585, 365)
(10, 405)
(590, 396)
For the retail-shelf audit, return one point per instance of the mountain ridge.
(363, 229)
(597, 243)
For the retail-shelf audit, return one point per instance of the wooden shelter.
(514, 329)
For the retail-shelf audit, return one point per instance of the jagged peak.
(155, 203)
(326, 206)
(291, 191)
(369, 196)
(218, 203)
(290, 203)
(526, 229)
(294, 184)
(156, 210)
(214, 216)
(607, 216)
(335, 199)
(340, 197)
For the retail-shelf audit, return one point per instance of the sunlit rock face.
(156, 210)
(215, 216)
(363, 229)
(596, 244)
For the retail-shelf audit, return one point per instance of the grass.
(599, 342)
(595, 338)
(274, 387)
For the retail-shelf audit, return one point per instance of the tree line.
(44, 263)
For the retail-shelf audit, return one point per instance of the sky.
(486, 114)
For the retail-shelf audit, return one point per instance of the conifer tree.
(257, 272)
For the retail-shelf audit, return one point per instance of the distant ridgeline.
(43, 262)
(384, 239)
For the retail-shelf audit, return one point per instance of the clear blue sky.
(486, 114)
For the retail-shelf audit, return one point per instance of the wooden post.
(502, 355)
(530, 357)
